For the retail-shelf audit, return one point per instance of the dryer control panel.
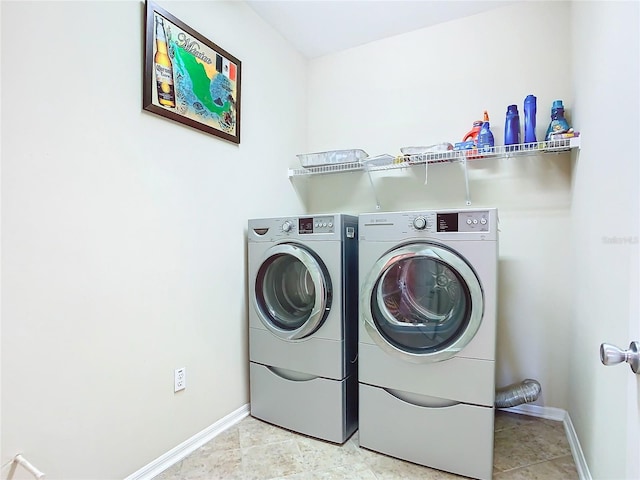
(309, 225)
(446, 224)
(462, 221)
(443, 222)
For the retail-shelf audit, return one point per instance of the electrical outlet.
(180, 379)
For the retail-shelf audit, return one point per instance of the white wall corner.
(176, 454)
(560, 415)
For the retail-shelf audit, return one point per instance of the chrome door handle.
(612, 355)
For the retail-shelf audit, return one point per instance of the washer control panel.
(323, 224)
(287, 226)
(319, 227)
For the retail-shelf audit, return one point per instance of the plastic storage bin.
(331, 157)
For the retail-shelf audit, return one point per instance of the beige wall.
(123, 233)
(603, 401)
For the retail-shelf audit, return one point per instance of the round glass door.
(422, 302)
(292, 291)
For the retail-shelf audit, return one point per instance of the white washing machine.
(303, 323)
(427, 337)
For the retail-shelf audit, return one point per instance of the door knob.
(612, 355)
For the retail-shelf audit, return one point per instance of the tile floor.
(525, 447)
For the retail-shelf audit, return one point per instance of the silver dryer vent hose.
(524, 392)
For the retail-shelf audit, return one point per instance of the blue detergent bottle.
(512, 127)
(558, 123)
(485, 137)
(530, 119)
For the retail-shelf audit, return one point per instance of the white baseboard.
(562, 416)
(187, 447)
(549, 413)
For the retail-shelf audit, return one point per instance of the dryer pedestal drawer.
(457, 438)
(318, 407)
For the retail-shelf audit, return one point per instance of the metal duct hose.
(524, 392)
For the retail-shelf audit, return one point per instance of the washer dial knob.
(420, 223)
(286, 226)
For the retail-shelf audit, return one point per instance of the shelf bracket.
(373, 188)
(463, 162)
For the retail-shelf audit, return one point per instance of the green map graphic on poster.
(194, 83)
(205, 82)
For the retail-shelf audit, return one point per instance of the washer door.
(292, 291)
(422, 302)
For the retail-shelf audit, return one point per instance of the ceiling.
(320, 27)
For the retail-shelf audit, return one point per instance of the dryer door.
(292, 291)
(422, 302)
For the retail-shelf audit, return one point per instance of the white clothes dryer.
(427, 336)
(303, 323)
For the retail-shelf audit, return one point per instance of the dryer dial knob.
(420, 223)
(287, 226)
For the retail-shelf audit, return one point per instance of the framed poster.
(188, 78)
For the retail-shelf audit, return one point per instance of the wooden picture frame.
(188, 78)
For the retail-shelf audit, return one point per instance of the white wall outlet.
(180, 379)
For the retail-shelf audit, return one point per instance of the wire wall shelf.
(448, 156)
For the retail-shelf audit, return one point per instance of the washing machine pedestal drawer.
(456, 439)
(318, 407)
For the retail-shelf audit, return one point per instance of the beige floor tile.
(504, 420)
(272, 460)
(171, 473)
(256, 432)
(320, 455)
(388, 468)
(529, 442)
(356, 471)
(562, 468)
(227, 440)
(208, 464)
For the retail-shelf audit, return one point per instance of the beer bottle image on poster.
(163, 68)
